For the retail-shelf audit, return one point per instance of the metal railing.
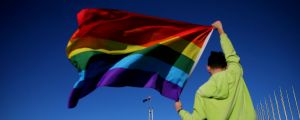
(286, 106)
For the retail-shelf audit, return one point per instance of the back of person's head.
(216, 60)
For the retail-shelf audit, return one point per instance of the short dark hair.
(216, 60)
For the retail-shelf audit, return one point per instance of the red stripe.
(131, 28)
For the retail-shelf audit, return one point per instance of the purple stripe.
(121, 77)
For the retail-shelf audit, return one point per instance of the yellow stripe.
(106, 46)
(129, 49)
(190, 50)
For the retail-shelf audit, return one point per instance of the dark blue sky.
(36, 76)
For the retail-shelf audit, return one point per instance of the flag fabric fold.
(116, 48)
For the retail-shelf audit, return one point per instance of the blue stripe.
(151, 64)
(177, 76)
(81, 78)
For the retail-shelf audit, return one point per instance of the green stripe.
(80, 60)
(161, 52)
(184, 63)
(169, 56)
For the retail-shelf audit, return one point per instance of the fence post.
(288, 99)
(282, 102)
(272, 108)
(296, 101)
(278, 111)
(267, 109)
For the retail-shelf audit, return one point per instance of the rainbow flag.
(117, 48)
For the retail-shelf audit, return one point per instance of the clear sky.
(36, 76)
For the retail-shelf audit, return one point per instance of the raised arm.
(233, 60)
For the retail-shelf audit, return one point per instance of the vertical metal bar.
(152, 113)
(288, 99)
(296, 101)
(267, 110)
(283, 105)
(150, 109)
(262, 111)
(272, 108)
(258, 112)
(149, 114)
(278, 111)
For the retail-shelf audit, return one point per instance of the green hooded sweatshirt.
(225, 95)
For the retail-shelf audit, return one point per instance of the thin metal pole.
(296, 102)
(150, 108)
(258, 112)
(150, 114)
(263, 111)
(267, 110)
(288, 99)
(150, 111)
(261, 114)
(283, 105)
(279, 116)
(272, 108)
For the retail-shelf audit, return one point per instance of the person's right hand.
(218, 25)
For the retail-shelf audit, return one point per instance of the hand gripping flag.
(116, 48)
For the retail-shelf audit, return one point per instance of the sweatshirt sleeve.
(232, 59)
(197, 114)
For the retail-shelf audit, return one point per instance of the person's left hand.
(178, 105)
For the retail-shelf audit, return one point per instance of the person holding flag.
(225, 95)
